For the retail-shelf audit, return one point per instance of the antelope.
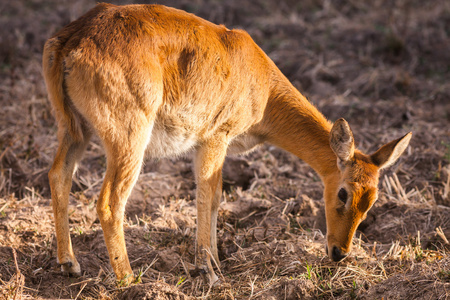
(155, 81)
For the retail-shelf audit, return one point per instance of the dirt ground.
(383, 66)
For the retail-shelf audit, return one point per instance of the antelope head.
(353, 189)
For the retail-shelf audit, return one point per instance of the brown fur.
(147, 78)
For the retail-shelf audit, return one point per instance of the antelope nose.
(337, 255)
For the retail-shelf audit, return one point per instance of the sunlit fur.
(360, 179)
(156, 80)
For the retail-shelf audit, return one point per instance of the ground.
(383, 66)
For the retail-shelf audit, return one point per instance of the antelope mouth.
(336, 254)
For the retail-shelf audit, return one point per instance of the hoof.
(213, 280)
(126, 280)
(71, 269)
(198, 271)
(209, 277)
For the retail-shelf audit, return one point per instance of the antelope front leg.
(208, 168)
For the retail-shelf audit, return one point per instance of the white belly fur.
(164, 143)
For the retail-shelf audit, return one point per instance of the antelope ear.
(389, 153)
(342, 142)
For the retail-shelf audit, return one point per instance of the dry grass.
(383, 66)
(13, 289)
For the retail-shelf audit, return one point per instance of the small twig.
(19, 277)
(151, 264)
(441, 234)
(374, 250)
(81, 282)
(82, 288)
(252, 286)
(215, 262)
(446, 193)
(4, 206)
(400, 188)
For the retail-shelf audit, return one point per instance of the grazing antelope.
(149, 79)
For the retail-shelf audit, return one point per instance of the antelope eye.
(342, 194)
